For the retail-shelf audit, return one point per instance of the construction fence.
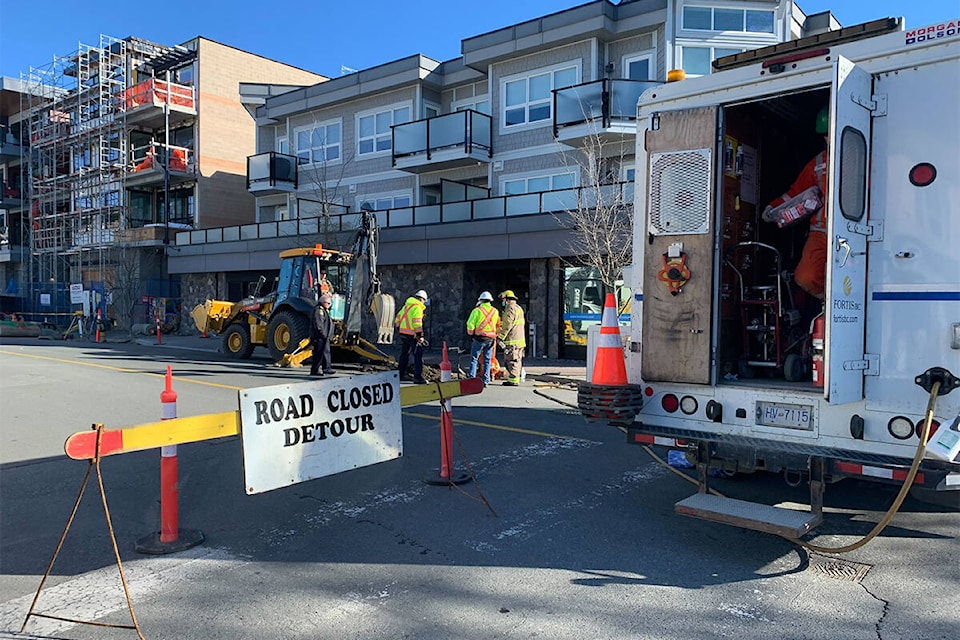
(57, 303)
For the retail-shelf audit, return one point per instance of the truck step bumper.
(749, 515)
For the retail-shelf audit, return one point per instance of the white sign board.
(76, 293)
(292, 433)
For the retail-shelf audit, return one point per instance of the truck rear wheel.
(285, 331)
(237, 343)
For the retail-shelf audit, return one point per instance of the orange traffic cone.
(609, 367)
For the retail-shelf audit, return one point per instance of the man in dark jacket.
(321, 330)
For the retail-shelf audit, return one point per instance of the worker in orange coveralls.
(810, 273)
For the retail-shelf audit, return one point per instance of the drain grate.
(838, 569)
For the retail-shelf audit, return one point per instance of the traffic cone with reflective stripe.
(609, 367)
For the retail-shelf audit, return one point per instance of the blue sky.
(322, 35)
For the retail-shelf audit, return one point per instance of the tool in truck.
(280, 320)
(885, 340)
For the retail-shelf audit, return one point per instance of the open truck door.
(678, 254)
(848, 232)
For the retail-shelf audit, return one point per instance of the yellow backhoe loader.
(280, 320)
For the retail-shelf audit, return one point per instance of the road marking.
(120, 369)
(97, 594)
(498, 427)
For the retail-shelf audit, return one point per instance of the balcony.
(9, 148)
(146, 102)
(10, 197)
(443, 142)
(599, 112)
(271, 173)
(146, 165)
(498, 208)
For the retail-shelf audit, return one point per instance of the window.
(528, 99)
(640, 67)
(181, 205)
(483, 106)
(141, 208)
(726, 19)
(696, 60)
(318, 143)
(533, 184)
(373, 129)
(380, 202)
(431, 109)
(282, 142)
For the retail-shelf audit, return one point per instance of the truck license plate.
(778, 414)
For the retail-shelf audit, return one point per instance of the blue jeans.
(478, 347)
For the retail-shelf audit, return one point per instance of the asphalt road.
(567, 532)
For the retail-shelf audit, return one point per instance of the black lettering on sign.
(357, 397)
(275, 411)
(306, 433)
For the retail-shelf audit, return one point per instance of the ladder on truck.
(788, 523)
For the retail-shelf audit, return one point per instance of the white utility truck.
(734, 366)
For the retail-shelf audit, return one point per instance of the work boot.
(511, 383)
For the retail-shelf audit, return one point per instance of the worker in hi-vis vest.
(483, 326)
(409, 321)
(512, 337)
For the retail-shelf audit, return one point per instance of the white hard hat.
(420, 294)
(486, 295)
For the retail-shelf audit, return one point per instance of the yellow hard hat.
(508, 294)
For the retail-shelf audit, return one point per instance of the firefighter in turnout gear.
(410, 323)
(483, 326)
(512, 337)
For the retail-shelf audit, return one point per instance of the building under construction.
(110, 167)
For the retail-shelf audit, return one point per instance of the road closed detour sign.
(297, 432)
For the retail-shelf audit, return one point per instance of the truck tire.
(285, 331)
(237, 343)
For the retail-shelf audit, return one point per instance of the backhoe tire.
(237, 343)
(285, 331)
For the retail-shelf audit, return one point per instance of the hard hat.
(420, 294)
(486, 295)
(508, 294)
(823, 121)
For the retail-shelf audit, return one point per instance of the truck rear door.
(678, 257)
(847, 233)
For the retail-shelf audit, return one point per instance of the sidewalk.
(536, 368)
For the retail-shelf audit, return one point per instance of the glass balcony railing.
(470, 130)
(601, 101)
(271, 170)
(526, 204)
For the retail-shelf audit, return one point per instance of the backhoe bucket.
(384, 311)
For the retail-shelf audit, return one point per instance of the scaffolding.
(78, 155)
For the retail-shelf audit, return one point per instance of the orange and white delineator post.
(159, 331)
(171, 538)
(446, 432)
(98, 326)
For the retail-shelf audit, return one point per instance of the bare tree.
(601, 216)
(123, 282)
(325, 193)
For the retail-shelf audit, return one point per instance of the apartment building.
(476, 166)
(118, 146)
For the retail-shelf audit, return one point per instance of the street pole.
(166, 163)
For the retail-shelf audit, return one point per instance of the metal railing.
(153, 156)
(542, 202)
(601, 100)
(468, 129)
(270, 169)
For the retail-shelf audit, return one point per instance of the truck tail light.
(670, 403)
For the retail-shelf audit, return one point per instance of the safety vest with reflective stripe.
(511, 325)
(410, 317)
(484, 321)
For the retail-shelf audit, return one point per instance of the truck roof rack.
(810, 43)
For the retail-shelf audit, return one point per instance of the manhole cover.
(838, 569)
